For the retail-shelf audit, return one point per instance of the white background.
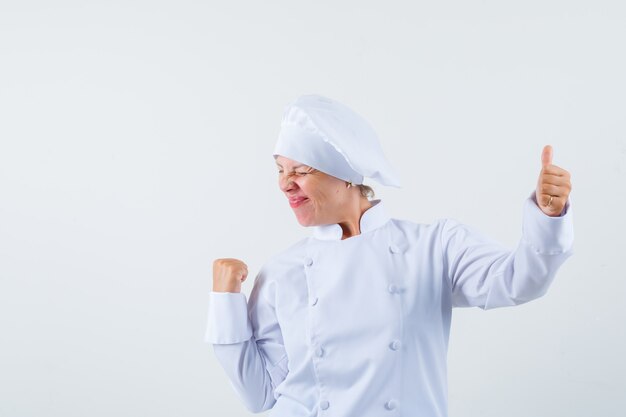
(136, 141)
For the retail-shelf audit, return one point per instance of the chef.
(354, 320)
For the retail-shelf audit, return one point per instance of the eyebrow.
(297, 166)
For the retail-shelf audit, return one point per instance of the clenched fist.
(553, 186)
(228, 274)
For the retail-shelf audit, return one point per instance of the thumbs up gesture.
(553, 186)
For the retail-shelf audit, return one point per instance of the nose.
(285, 183)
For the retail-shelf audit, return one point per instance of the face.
(315, 197)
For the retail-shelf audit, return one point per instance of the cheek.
(309, 187)
(328, 201)
(323, 194)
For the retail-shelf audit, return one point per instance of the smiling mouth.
(298, 202)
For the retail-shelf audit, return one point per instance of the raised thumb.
(546, 155)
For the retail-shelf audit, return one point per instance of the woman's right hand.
(228, 274)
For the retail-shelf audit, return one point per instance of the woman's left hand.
(553, 186)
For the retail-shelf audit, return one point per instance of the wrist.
(226, 288)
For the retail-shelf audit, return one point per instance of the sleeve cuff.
(547, 234)
(228, 320)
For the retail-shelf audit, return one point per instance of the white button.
(393, 288)
(314, 301)
(319, 352)
(395, 345)
(391, 404)
(324, 405)
(308, 261)
(394, 249)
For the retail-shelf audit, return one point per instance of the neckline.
(372, 218)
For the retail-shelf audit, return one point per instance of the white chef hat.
(327, 135)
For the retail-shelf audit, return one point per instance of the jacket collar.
(373, 218)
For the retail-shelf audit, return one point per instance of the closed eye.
(299, 173)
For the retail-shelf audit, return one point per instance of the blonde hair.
(366, 191)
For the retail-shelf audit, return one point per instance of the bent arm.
(485, 274)
(248, 344)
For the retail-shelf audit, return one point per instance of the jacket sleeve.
(248, 342)
(483, 273)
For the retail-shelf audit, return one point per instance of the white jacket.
(359, 327)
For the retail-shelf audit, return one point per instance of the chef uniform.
(359, 327)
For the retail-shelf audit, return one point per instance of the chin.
(305, 222)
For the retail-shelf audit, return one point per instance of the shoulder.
(440, 232)
(420, 229)
(281, 266)
(289, 255)
(285, 262)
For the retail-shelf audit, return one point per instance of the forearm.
(485, 274)
(247, 372)
(230, 332)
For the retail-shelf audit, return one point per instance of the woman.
(353, 321)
